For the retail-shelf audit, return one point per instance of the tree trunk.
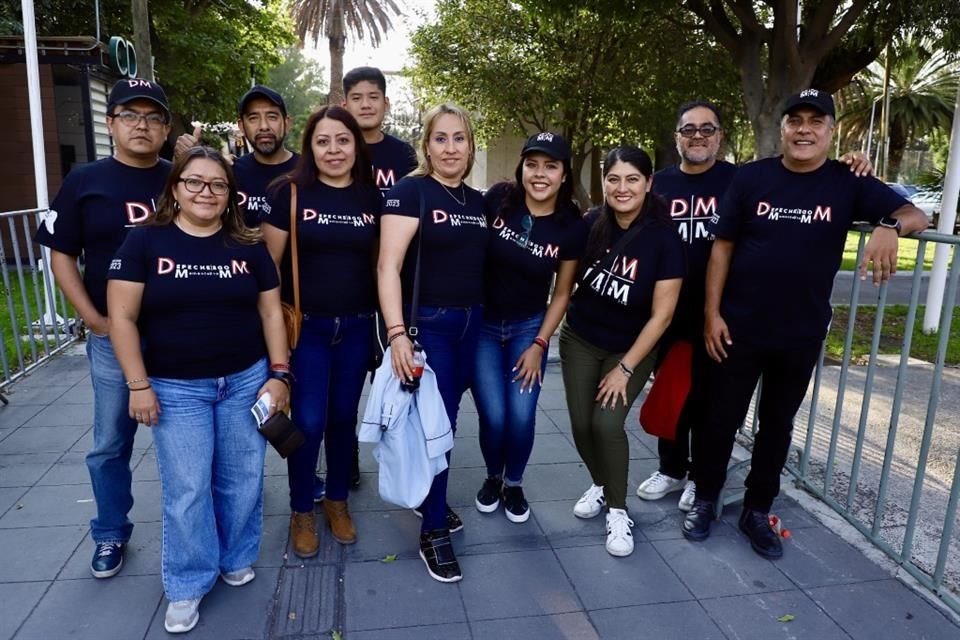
(579, 191)
(898, 143)
(338, 45)
(141, 39)
(596, 177)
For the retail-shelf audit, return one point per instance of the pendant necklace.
(462, 200)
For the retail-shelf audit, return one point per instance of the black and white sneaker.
(515, 505)
(488, 498)
(107, 559)
(454, 523)
(436, 551)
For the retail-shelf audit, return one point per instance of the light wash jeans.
(507, 417)
(113, 431)
(210, 457)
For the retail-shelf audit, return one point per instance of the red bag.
(671, 385)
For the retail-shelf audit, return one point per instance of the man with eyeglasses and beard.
(96, 205)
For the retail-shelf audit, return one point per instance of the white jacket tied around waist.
(412, 433)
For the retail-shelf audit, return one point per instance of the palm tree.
(923, 86)
(334, 20)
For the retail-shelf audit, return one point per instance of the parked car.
(928, 201)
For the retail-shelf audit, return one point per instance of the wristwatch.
(890, 223)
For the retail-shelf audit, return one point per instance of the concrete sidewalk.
(547, 578)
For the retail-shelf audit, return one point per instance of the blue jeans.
(113, 431)
(329, 366)
(507, 417)
(210, 457)
(449, 338)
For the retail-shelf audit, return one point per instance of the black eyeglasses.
(527, 225)
(196, 185)
(132, 118)
(689, 130)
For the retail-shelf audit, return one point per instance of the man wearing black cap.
(90, 216)
(780, 233)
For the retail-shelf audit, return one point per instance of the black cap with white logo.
(552, 144)
(130, 89)
(260, 91)
(819, 100)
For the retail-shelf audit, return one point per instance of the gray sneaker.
(182, 616)
(239, 577)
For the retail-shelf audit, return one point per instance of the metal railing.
(889, 467)
(35, 321)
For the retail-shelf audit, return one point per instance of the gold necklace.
(463, 194)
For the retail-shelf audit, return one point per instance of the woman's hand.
(144, 407)
(528, 368)
(401, 357)
(612, 387)
(279, 395)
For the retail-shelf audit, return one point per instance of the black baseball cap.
(552, 144)
(260, 91)
(130, 89)
(819, 100)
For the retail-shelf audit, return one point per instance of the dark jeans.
(449, 338)
(329, 366)
(675, 454)
(786, 375)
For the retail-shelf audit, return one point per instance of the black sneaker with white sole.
(488, 498)
(515, 505)
(107, 559)
(454, 523)
(436, 551)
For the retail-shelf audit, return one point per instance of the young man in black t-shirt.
(90, 216)
(780, 233)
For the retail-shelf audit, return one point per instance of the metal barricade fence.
(874, 443)
(35, 321)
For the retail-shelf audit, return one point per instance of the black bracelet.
(627, 371)
(283, 376)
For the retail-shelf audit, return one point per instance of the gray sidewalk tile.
(273, 544)
(883, 609)
(563, 529)
(51, 547)
(721, 566)
(553, 400)
(398, 594)
(146, 501)
(71, 468)
(603, 581)
(16, 603)
(466, 456)
(564, 625)
(544, 423)
(755, 617)
(229, 613)
(63, 415)
(434, 632)
(667, 621)
(144, 465)
(142, 556)
(35, 392)
(9, 496)
(640, 449)
(15, 415)
(665, 524)
(815, 557)
(80, 393)
(42, 439)
(468, 426)
(142, 440)
(24, 469)
(306, 602)
(383, 533)
(510, 585)
(52, 506)
(493, 533)
(121, 607)
(561, 481)
(550, 448)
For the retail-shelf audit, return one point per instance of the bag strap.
(415, 302)
(293, 248)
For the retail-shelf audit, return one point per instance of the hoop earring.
(176, 205)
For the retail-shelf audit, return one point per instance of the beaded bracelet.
(135, 381)
(627, 371)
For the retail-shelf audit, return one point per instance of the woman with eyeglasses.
(337, 211)
(627, 287)
(536, 235)
(200, 291)
(432, 218)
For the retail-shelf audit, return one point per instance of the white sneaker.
(619, 536)
(182, 616)
(688, 496)
(591, 503)
(239, 577)
(658, 485)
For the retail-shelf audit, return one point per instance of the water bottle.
(412, 384)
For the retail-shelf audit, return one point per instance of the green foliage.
(300, 81)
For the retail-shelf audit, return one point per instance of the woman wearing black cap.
(536, 233)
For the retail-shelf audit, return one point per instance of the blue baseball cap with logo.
(130, 89)
(551, 144)
(819, 100)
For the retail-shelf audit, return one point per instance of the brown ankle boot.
(338, 517)
(303, 533)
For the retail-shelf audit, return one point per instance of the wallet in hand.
(280, 432)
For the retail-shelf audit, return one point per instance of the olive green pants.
(599, 433)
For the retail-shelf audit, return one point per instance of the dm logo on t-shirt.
(614, 281)
(166, 266)
(797, 214)
(385, 178)
(364, 219)
(138, 212)
(253, 203)
(535, 249)
(457, 219)
(691, 216)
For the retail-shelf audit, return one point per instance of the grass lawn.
(906, 256)
(924, 347)
(20, 320)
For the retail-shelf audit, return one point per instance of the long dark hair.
(231, 218)
(652, 211)
(305, 173)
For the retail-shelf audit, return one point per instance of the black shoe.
(436, 550)
(454, 523)
(107, 559)
(488, 498)
(696, 524)
(355, 469)
(515, 505)
(763, 538)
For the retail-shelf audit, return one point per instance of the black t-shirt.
(253, 178)
(454, 241)
(337, 231)
(613, 303)
(790, 229)
(393, 159)
(518, 274)
(692, 200)
(96, 206)
(198, 317)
